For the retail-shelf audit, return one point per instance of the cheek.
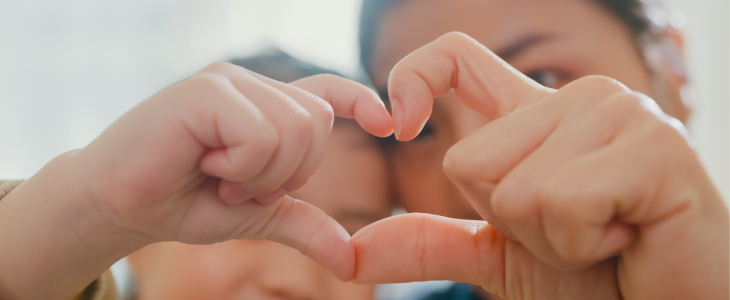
(195, 271)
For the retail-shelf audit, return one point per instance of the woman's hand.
(206, 160)
(591, 191)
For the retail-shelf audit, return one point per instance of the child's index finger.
(351, 100)
(482, 80)
(347, 98)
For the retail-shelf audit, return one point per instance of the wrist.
(61, 242)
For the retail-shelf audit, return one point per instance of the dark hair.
(279, 65)
(634, 14)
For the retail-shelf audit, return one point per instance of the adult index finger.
(482, 80)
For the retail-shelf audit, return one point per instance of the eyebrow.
(522, 45)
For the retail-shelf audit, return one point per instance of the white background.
(69, 68)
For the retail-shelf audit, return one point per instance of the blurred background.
(69, 68)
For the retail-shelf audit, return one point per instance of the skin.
(584, 188)
(570, 49)
(255, 269)
(204, 161)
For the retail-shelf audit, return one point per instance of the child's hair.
(279, 65)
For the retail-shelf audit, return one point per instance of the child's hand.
(204, 161)
(209, 159)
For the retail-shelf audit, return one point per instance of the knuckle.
(458, 165)
(661, 127)
(267, 140)
(326, 77)
(219, 67)
(265, 186)
(209, 81)
(297, 180)
(456, 37)
(666, 133)
(554, 200)
(507, 206)
(603, 83)
(422, 247)
(620, 104)
(595, 88)
(323, 115)
(304, 127)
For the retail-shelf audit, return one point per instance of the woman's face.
(350, 185)
(552, 41)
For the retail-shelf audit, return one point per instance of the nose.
(288, 274)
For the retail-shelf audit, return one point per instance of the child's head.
(350, 185)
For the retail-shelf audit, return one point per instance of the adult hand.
(590, 191)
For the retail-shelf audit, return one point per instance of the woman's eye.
(545, 77)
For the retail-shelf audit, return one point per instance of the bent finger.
(348, 99)
(493, 177)
(295, 127)
(352, 100)
(234, 154)
(482, 80)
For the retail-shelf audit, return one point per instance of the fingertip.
(616, 236)
(333, 248)
(213, 163)
(307, 228)
(375, 120)
(232, 192)
(410, 112)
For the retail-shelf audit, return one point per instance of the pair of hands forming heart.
(590, 191)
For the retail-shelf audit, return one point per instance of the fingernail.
(397, 113)
(271, 197)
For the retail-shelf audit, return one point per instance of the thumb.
(442, 249)
(302, 226)
(482, 80)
